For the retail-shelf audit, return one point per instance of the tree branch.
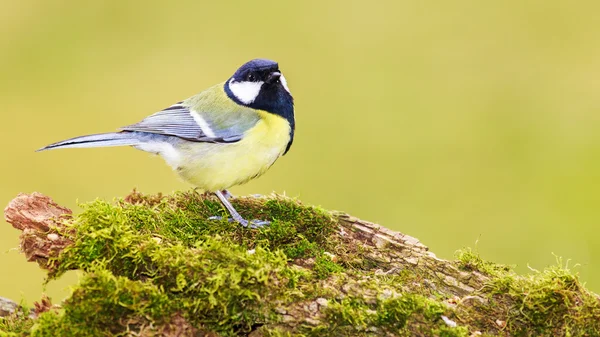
(381, 283)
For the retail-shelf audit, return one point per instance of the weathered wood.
(39, 219)
(403, 250)
(7, 307)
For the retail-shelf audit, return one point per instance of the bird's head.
(259, 84)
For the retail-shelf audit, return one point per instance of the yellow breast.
(215, 167)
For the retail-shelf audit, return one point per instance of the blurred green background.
(462, 123)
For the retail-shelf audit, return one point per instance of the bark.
(38, 218)
(7, 307)
(404, 251)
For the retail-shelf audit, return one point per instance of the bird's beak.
(273, 77)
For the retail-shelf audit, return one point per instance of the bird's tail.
(98, 140)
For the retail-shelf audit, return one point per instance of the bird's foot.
(245, 223)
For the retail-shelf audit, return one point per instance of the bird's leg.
(235, 215)
(227, 194)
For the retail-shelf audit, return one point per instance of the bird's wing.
(207, 117)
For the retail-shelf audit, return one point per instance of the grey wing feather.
(177, 121)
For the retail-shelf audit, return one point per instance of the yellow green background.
(462, 123)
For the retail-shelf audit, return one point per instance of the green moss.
(16, 324)
(324, 266)
(279, 333)
(405, 314)
(214, 283)
(163, 254)
(469, 260)
(551, 302)
(98, 300)
(445, 331)
(183, 217)
(396, 311)
(155, 264)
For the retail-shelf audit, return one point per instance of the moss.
(548, 299)
(16, 325)
(154, 265)
(551, 302)
(405, 314)
(324, 266)
(279, 333)
(183, 217)
(469, 260)
(99, 299)
(216, 274)
(214, 284)
(396, 311)
(445, 331)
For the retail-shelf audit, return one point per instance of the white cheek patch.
(284, 83)
(246, 92)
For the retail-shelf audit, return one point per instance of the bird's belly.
(215, 167)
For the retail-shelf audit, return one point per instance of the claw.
(245, 223)
(234, 214)
(219, 218)
(257, 223)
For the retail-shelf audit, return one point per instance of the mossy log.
(153, 265)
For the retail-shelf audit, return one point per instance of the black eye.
(250, 77)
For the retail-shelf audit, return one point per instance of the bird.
(224, 136)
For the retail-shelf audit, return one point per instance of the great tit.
(224, 136)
